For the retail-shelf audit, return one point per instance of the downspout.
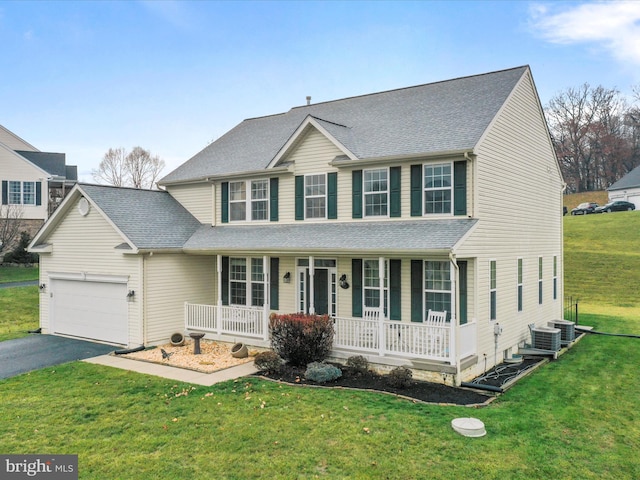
(455, 331)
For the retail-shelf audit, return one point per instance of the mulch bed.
(422, 391)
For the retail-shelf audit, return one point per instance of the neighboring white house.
(627, 188)
(374, 210)
(33, 181)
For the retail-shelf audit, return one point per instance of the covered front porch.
(438, 342)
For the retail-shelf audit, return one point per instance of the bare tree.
(112, 168)
(138, 169)
(143, 168)
(10, 225)
(591, 138)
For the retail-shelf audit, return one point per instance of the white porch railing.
(414, 340)
(234, 320)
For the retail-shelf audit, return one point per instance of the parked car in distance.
(584, 208)
(616, 206)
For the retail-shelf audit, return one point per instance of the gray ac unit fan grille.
(567, 330)
(546, 338)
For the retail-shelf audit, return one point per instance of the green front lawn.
(575, 418)
(18, 311)
(18, 274)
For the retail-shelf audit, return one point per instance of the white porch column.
(219, 300)
(312, 298)
(454, 327)
(381, 332)
(267, 300)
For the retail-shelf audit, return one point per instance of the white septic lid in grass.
(469, 427)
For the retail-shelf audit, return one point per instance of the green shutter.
(273, 199)
(356, 194)
(417, 291)
(462, 287)
(416, 190)
(299, 197)
(225, 280)
(5, 192)
(274, 281)
(38, 193)
(356, 287)
(332, 195)
(395, 198)
(395, 299)
(224, 195)
(460, 188)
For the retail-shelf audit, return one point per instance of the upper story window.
(249, 200)
(493, 290)
(376, 192)
(22, 193)
(315, 196)
(437, 188)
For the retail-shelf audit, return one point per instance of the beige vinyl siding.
(87, 244)
(171, 280)
(15, 168)
(14, 142)
(518, 200)
(197, 198)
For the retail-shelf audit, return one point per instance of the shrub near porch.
(300, 338)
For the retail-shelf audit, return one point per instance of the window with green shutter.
(356, 194)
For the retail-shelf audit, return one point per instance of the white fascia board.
(308, 121)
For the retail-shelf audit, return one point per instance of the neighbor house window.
(493, 295)
(540, 280)
(437, 280)
(315, 196)
(249, 196)
(520, 288)
(555, 277)
(376, 192)
(437, 188)
(371, 284)
(15, 193)
(29, 193)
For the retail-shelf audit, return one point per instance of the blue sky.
(83, 77)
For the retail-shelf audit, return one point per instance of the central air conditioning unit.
(567, 329)
(545, 338)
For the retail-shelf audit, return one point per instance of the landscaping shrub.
(268, 361)
(400, 377)
(358, 364)
(322, 372)
(20, 254)
(301, 339)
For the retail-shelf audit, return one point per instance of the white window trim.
(248, 281)
(248, 200)
(11, 193)
(540, 280)
(325, 196)
(451, 291)
(555, 278)
(385, 283)
(433, 189)
(365, 193)
(33, 193)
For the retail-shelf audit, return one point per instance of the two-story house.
(425, 221)
(32, 183)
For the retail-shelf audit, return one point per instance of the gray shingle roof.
(149, 218)
(389, 236)
(630, 180)
(437, 117)
(52, 163)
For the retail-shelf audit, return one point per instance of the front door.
(324, 285)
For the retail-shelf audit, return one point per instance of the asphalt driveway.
(39, 351)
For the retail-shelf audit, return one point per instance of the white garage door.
(94, 310)
(635, 199)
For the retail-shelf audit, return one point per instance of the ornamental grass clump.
(268, 361)
(322, 372)
(358, 364)
(301, 339)
(400, 377)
